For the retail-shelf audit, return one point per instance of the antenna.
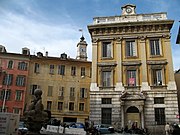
(34, 51)
(44, 50)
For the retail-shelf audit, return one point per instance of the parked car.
(77, 125)
(104, 129)
(22, 129)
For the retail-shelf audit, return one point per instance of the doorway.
(133, 117)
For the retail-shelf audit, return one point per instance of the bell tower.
(82, 49)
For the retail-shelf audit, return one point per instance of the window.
(33, 88)
(131, 49)
(73, 71)
(83, 93)
(82, 71)
(106, 50)
(72, 91)
(159, 100)
(157, 77)
(160, 116)
(51, 69)
(106, 78)
(61, 91)
(8, 94)
(155, 47)
(20, 80)
(106, 100)
(22, 66)
(131, 77)
(50, 90)
(36, 68)
(8, 79)
(60, 106)
(71, 106)
(81, 106)
(106, 115)
(49, 104)
(18, 96)
(61, 69)
(17, 110)
(10, 64)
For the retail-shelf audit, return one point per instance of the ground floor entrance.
(132, 117)
(132, 114)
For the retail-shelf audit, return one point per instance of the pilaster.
(144, 85)
(93, 86)
(168, 53)
(119, 86)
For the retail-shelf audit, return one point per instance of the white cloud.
(19, 31)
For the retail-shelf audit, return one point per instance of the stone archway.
(132, 116)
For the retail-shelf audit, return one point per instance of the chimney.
(46, 53)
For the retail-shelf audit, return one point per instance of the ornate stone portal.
(35, 116)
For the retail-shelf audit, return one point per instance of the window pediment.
(106, 64)
(156, 62)
(131, 63)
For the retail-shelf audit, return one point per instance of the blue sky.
(53, 25)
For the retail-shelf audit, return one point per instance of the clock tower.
(82, 49)
(128, 9)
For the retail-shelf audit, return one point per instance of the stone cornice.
(131, 28)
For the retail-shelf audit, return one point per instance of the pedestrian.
(167, 128)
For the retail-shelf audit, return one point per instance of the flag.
(178, 37)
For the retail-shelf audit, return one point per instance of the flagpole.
(81, 30)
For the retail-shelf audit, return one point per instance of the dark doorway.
(106, 115)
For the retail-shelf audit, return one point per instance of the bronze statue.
(35, 116)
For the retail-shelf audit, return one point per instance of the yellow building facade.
(65, 83)
(132, 70)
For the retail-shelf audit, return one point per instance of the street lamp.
(5, 92)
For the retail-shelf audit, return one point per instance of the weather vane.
(81, 30)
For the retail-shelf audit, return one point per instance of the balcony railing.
(130, 18)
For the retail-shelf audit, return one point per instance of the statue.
(35, 116)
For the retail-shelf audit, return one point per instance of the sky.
(53, 25)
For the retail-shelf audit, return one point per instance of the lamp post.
(5, 92)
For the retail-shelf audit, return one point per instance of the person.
(167, 128)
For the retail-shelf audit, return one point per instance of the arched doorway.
(132, 117)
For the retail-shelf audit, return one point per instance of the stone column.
(119, 86)
(144, 85)
(93, 86)
(171, 81)
(122, 116)
(142, 118)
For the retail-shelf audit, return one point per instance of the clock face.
(128, 10)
